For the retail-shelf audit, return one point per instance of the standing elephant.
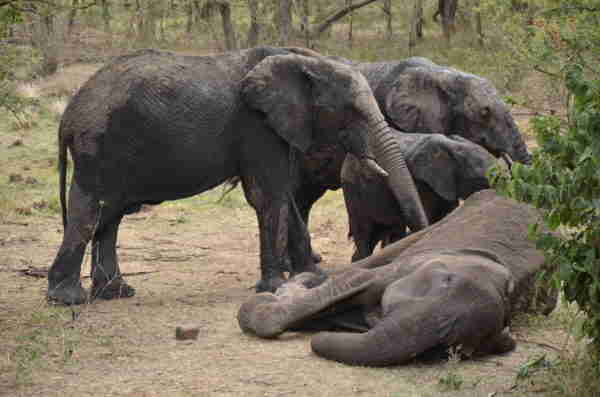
(445, 169)
(454, 284)
(154, 126)
(418, 96)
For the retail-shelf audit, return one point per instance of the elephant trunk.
(519, 150)
(386, 148)
(395, 340)
(267, 315)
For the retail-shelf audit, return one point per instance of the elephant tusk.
(370, 163)
(507, 159)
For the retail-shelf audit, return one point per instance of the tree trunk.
(254, 29)
(387, 10)
(416, 26)
(448, 13)
(189, 9)
(72, 16)
(305, 23)
(479, 28)
(228, 29)
(285, 21)
(224, 9)
(349, 4)
(106, 15)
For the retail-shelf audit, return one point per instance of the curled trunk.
(386, 148)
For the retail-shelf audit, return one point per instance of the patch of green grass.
(41, 339)
(452, 380)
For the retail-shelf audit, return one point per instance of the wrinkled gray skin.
(154, 126)
(446, 286)
(416, 95)
(446, 169)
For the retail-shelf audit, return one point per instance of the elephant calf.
(445, 169)
(456, 283)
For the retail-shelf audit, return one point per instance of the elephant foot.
(113, 289)
(270, 285)
(67, 294)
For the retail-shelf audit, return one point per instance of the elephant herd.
(406, 140)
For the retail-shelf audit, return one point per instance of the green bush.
(564, 180)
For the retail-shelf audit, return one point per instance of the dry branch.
(341, 13)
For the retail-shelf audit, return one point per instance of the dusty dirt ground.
(199, 268)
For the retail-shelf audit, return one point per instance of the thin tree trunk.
(349, 4)
(228, 29)
(224, 9)
(285, 21)
(305, 23)
(479, 28)
(387, 9)
(189, 8)
(416, 26)
(72, 16)
(254, 29)
(448, 12)
(106, 15)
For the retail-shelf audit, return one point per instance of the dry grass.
(24, 119)
(66, 81)
(57, 106)
(28, 90)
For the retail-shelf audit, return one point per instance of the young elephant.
(454, 284)
(445, 169)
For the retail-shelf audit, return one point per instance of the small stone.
(187, 332)
(31, 181)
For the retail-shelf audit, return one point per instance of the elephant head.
(420, 96)
(309, 100)
(452, 166)
(447, 301)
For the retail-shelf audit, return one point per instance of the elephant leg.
(107, 282)
(64, 284)
(305, 200)
(272, 211)
(365, 239)
(299, 244)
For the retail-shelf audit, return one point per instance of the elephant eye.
(485, 112)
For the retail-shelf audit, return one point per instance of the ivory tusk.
(375, 167)
(507, 159)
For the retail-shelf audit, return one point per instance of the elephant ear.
(280, 87)
(433, 163)
(419, 101)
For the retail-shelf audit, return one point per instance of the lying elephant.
(155, 126)
(445, 169)
(456, 283)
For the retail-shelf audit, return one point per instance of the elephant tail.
(229, 186)
(62, 169)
